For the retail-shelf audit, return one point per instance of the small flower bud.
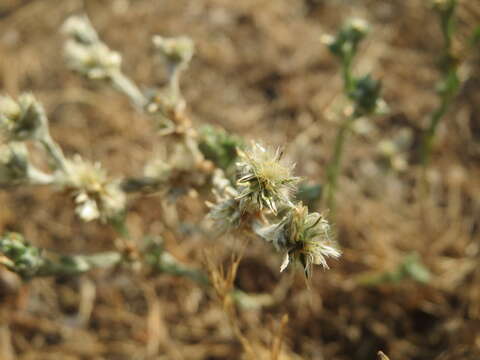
(358, 28)
(80, 28)
(366, 95)
(22, 120)
(345, 43)
(94, 61)
(219, 146)
(178, 51)
(19, 256)
(444, 6)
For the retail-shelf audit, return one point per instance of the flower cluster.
(22, 119)
(263, 191)
(25, 119)
(85, 53)
(365, 94)
(260, 200)
(168, 105)
(177, 51)
(345, 43)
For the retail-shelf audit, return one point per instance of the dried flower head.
(95, 61)
(177, 51)
(22, 119)
(264, 180)
(95, 195)
(304, 237)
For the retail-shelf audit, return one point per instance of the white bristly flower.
(264, 180)
(96, 196)
(304, 237)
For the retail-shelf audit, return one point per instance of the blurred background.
(408, 282)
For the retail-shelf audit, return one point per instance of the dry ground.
(260, 71)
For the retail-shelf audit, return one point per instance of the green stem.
(334, 165)
(140, 184)
(38, 177)
(120, 226)
(29, 262)
(435, 119)
(333, 169)
(166, 263)
(347, 74)
(126, 86)
(450, 83)
(57, 158)
(73, 265)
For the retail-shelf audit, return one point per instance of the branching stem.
(126, 86)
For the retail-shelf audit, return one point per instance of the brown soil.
(260, 71)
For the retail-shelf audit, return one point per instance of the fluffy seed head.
(264, 180)
(304, 237)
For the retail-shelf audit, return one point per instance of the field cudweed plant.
(256, 201)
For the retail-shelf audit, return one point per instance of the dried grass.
(261, 72)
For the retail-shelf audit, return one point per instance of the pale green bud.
(22, 119)
(175, 50)
(94, 61)
(80, 28)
